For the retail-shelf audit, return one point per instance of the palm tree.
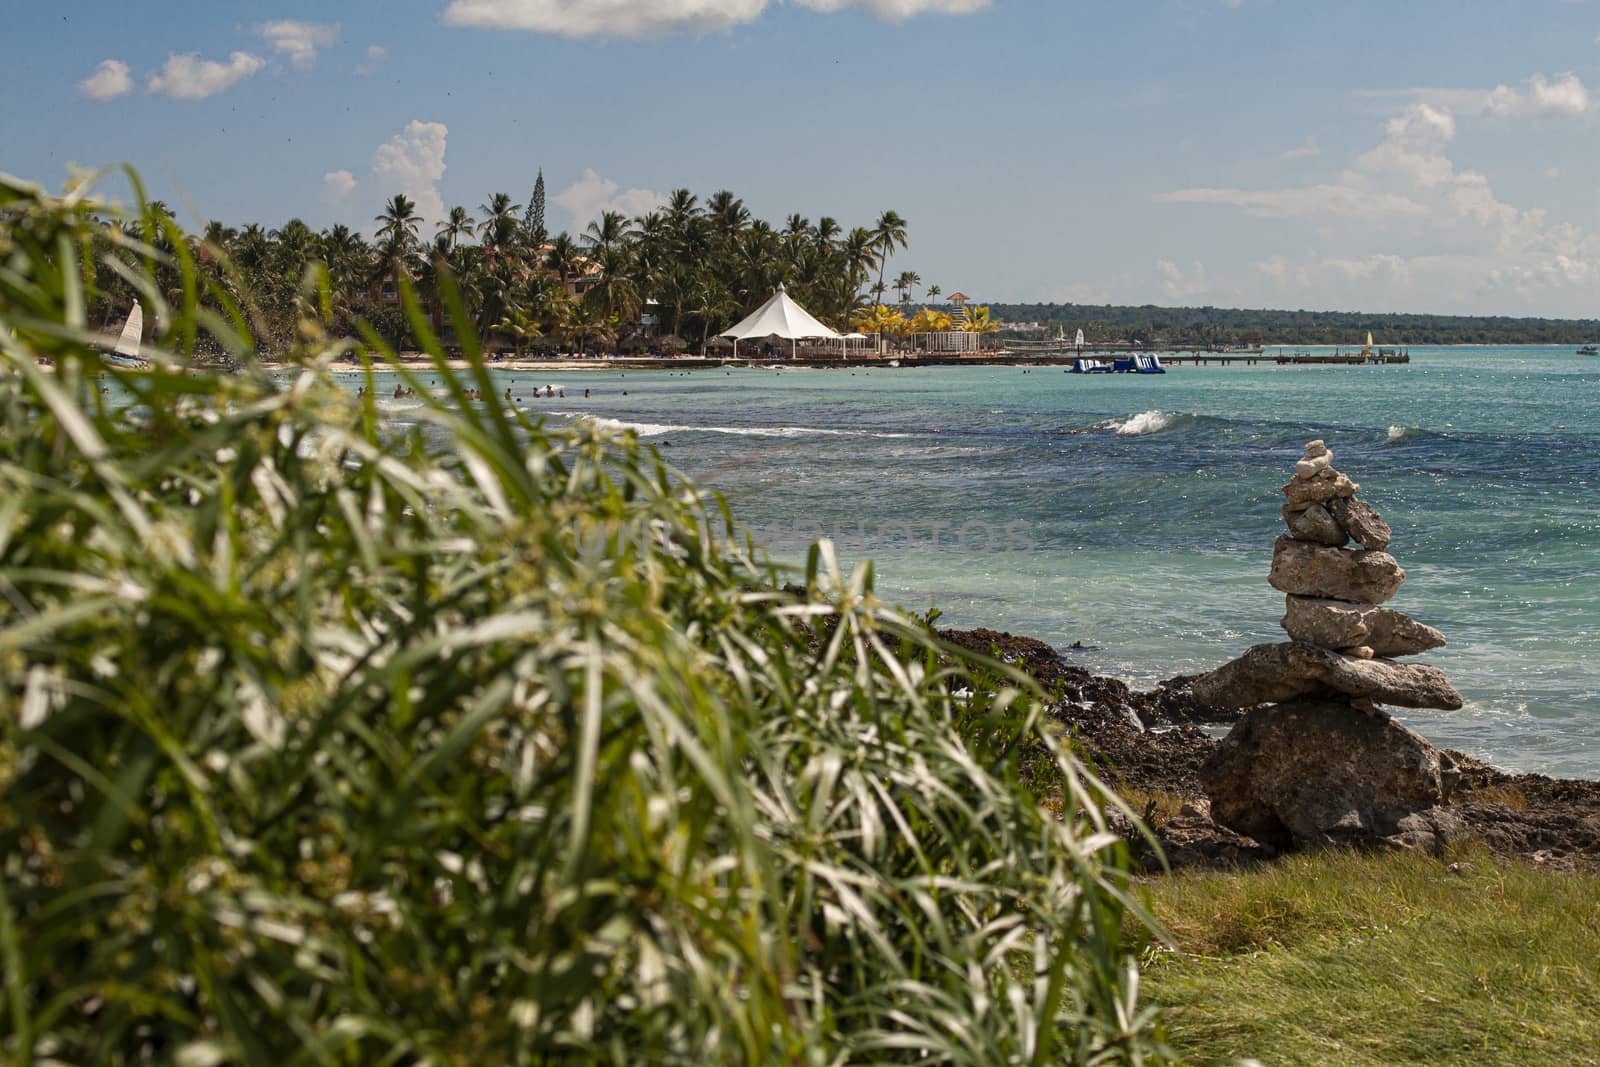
(563, 258)
(860, 255)
(400, 222)
(878, 320)
(933, 293)
(455, 227)
(614, 294)
(219, 236)
(890, 232)
(499, 221)
(980, 322)
(607, 232)
(908, 281)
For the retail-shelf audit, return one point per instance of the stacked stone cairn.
(1316, 760)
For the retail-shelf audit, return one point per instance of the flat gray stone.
(1272, 674)
(1394, 633)
(1306, 569)
(1361, 521)
(1314, 524)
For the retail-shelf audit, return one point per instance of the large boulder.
(1337, 573)
(1361, 521)
(1320, 772)
(1314, 524)
(1270, 674)
(1343, 624)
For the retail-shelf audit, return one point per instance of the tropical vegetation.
(1220, 326)
(699, 265)
(481, 742)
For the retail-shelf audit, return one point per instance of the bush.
(485, 743)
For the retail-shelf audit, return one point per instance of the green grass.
(1381, 959)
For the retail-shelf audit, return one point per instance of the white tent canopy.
(783, 318)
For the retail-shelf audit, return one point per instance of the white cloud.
(1345, 201)
(412, 162)
(604, 18)
(109, 81)
(1307, 149)
(376, 54)
(652, 18)
(591, 194)
(1558, 96)
(1468, 248)
(338, 184)
(188, 77)
(896, 10)
(299, 41)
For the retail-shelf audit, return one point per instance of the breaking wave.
(1147, 422)
(1397, 434)
(656, 429)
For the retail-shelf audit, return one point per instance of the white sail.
(1369, 340)
(1079, 341)
(132, 333)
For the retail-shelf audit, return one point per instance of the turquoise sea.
(1136, 514)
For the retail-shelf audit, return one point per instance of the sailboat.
(1367, 351)
(127, 347)
(1079, 342)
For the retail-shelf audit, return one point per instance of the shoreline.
(890, 361)
(1148, 746)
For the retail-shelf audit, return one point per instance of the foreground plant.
(486, 743)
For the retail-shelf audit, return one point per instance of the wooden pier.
(1286, 359)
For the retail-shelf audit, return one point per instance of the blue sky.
(1425, 156)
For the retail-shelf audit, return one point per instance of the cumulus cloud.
(412, 162)
(109, 81)
(338, 184)
(188, 77)
(1471, 248)
(653, 18)
(298, 41)
(591, 194)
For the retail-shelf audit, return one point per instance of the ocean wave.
(656, 429)
(1146, 422)
(1398, 434)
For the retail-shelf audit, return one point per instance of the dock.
(1287, 359)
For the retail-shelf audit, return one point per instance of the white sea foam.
(1403, 433)
(656, 429)
(1142, 423)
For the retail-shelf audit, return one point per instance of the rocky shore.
(1310, 758)
(1153, 744)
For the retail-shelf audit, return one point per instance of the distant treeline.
(1211, 325)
